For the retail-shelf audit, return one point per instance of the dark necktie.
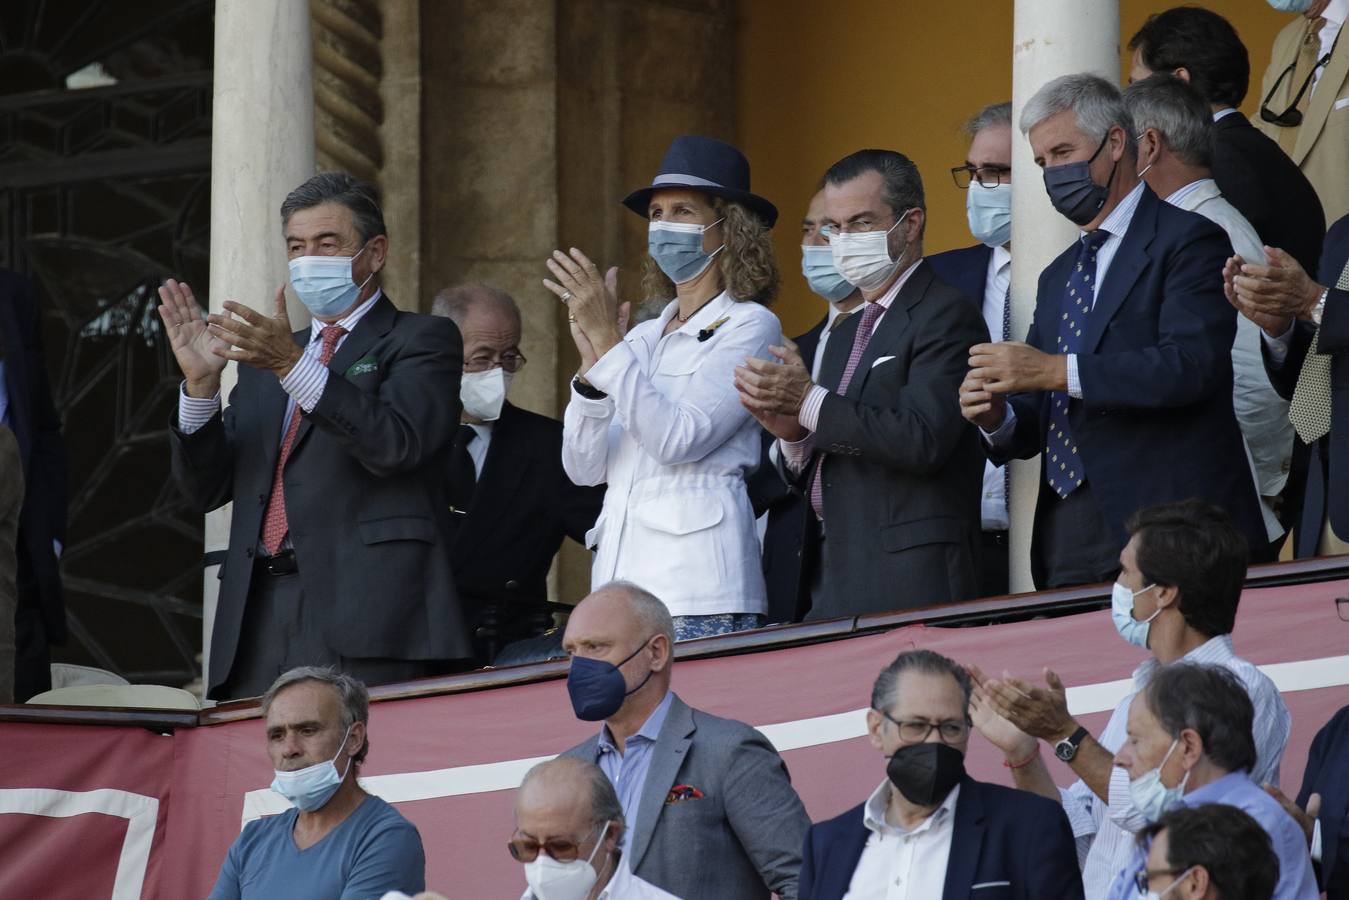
(463, 474)
(861, 338)
(1063, 467)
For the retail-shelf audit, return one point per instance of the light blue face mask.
(1152, 798)
(1122, 612)
(677, 247)
(324, 283)
(989, 211)
(1293, 6)
(817, 264)
(313, 786)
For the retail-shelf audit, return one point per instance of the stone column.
(1049, 38)
(262, 147)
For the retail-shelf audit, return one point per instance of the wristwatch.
(586, 389)
(1066, 749)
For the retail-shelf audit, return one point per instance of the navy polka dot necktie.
(1063, 465)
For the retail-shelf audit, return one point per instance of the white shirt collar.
(873, 814)
(1224, 113)
(1181, 193)
(717, 307)
(347, 322)
(1117, 223)
(1215, 651)
(1001, 257)
(1336, 12)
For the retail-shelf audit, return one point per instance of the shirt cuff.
(796, 453)
(194, 412)
(589, 407)
(1078, 810)
(1074, 383)
(305, 382)
(1002, 435)
(605, 373)
(1316, 841)
(1278, 346)
(809, 415)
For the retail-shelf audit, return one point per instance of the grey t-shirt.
(373, 851)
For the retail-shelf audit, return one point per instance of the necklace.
(696, 311)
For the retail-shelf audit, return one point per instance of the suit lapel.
(1130, 260)
(272, 404)
(836, 352)
(373, 326)
(667, 756)
(843, 858)
(504, 471)
(893, 324)
(967, 837)
(1323, 98)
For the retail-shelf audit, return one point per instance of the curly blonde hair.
(747, 269)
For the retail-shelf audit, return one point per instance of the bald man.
(566, 810)
(744, 834)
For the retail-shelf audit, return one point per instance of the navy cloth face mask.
(597, 688)
(1072, 191)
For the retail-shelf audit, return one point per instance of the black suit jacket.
(33, 419)
(1327, 774)
(362, 486)
(1328, 478)
(1005, 845)
(523, 507)
(1269, 189)
(966, 270)
(904, 472)
(1155, 423)
(786, 527)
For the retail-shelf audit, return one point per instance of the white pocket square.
(1342, 103)
(990, 884)
(881, 360)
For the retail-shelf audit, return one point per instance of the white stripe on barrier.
(139, 810)
(1303, 675)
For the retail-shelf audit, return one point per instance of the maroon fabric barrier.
(212, 768)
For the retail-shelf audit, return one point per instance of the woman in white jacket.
(655, 413)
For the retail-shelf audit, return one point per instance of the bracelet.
(586, 389)
(1035, 754)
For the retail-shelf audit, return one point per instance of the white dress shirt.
(996, 281)
(903, 865)
(674, 444)
(624, 886)
(830, 321)
(1105, 832)
(304, 383)
(1335, 13)
(1261, 413)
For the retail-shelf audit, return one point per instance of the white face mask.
(864, 259)
(1150, 796)
(484, 393)
(1153, 895)
(551, 880)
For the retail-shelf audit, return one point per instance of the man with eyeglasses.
(569, 834)
(929, 830)
(1306, 97)
(1212, 852)
(509, 503)
(984, 274)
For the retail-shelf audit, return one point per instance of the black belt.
(282, 563)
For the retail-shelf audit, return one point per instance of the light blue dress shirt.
(627, 770)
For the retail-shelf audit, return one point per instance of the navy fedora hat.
(708, 165)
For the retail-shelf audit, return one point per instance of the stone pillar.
(262, 147)
(1049, 38)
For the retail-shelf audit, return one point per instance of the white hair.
(1096, 104)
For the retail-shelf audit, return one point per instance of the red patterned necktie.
(274, 524)
(859, 346)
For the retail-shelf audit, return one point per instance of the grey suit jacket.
(11, 502)
(742, 838)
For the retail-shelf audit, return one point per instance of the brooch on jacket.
(682, 792)
(710, 330)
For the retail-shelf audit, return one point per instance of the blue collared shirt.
(627, 770)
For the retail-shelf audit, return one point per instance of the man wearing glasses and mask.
(568, 834)
(509, 502)
(929, 829)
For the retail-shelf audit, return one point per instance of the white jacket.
(674, 444)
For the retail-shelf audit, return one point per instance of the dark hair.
(1201, 42)
(339, 187)
(1232, 847)
(1179, 114)
(902, 185)
(1212, 702)
(884, 691)
(1193, 546)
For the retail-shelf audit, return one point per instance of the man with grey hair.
(1175, 155)
(1123, 385)
(984, 274)
(569, 835)
(740, 834)
(331, 451)
(929, 828)
(338, 841)
(509, 502)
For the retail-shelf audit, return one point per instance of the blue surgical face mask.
(1122, 613)
(989, 210)
(1152, 798)
(1073, 192)
(313, 786)
(677, 247)
(817, 264)
(1293, 6)
(597, 688)
(324, 283)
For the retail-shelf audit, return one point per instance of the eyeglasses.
(511, 362)
(526, 849)
(986, 176)
(857, 226)
(1292, 116)
(915, 731)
